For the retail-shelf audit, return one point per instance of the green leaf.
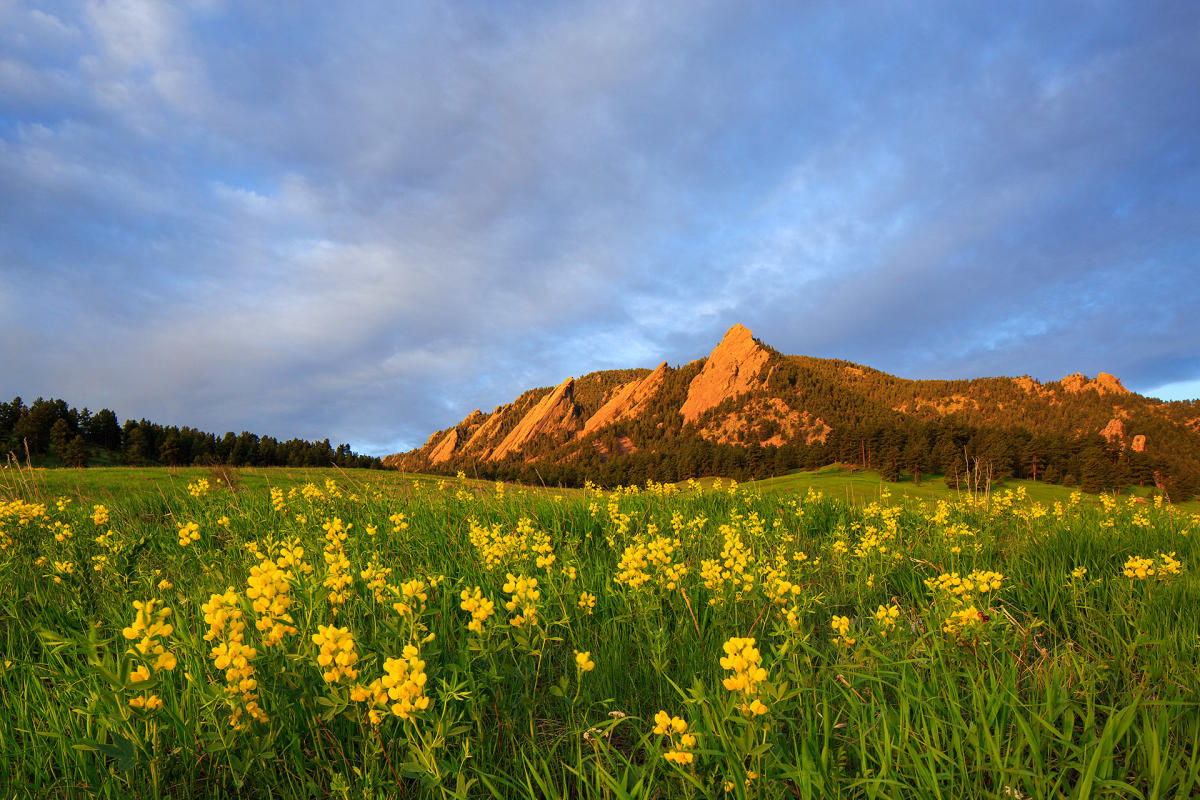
(122, 751)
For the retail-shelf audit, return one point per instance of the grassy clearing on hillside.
(364, 634)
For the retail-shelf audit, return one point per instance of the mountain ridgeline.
(748, 411)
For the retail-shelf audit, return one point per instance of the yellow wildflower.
(338, 656)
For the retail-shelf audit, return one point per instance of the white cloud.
(372, 222)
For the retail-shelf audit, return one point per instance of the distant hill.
(749, 411)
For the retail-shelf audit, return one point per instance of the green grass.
(1063, 688)
(97, 484)
(853, 485)
(857, 485)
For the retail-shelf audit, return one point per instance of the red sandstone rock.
(554, 413)
(1114, 431)
(730, 370)
(628, 401)
(445, 448)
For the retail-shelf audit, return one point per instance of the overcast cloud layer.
(304, 221)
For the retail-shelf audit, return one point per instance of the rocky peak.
(1109, 384)
(556, 413)
(1105, 383)
(731, 369)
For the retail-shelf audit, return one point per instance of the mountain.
(749, 410)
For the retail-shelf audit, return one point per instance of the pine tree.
(60, 436)
(75, 453)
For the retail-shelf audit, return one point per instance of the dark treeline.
(963, 456)
(51, 428)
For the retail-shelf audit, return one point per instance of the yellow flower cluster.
(63, 568)
(338, 656)
(226, 627)
(336, 530)
(632, 567)
(653, 558)
(1168, 566)
(309, 492)
(499, 548)
(841, 627)
(100, 516)
(978, 582)
(681, 743)
(278, 501)
(337, 575)
(965, 622)
(885, 618)
(587, 601)
(1141, 567)
(525, 596)
(404, 680)
(583, 661)
(269, 589)
(494, 545)
(291, 556)
(199, 488)
(188, 533)
(149, 625)
(743, 660)
(375, 577)
(414, 595)
(538, 543)
(736, 565)
(146, 702)
(478, 606)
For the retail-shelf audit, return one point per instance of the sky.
(362, 221)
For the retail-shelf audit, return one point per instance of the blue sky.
(303, 220)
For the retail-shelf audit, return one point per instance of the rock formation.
(1105, 383)
(773, 400)
(484, 433)
(444, 448)
(1109, 384)
(1114, 431)
(730, 370)
(628, 401)
(554, 413)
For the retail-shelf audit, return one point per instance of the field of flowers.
(396, 638)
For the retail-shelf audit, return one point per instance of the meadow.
(327, 633)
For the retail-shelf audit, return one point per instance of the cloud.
(365, 225)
